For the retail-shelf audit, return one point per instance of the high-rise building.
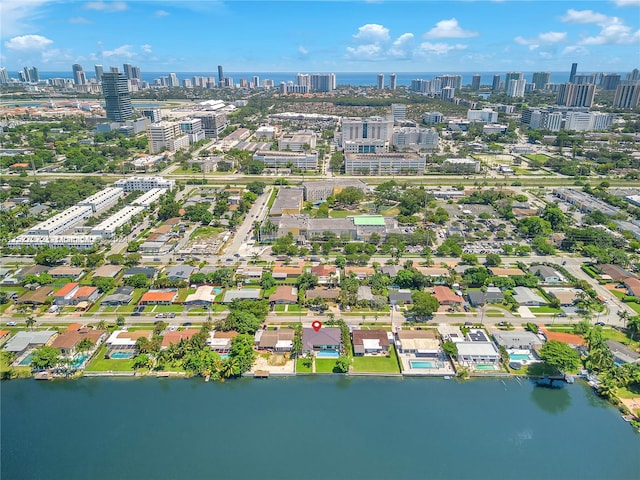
(454, 81)
(540, 79)
(99, 72)
(448, 93)
(136, 73)
(399, 111)
(116, 95)
(220, 76)
(323, 82)
(166, 135)
(627, 94)
(515, 88)
(392, 81)
(114, 69)
(380, 84)
(4, 78)
(574, 69)
(128, 70)
(153, 114)
(495, 85)
(610, 81)
(79, 77)
(512, 76)
(475, 82)
(255, 81)
(572, 95)
(173, 80)
(633, 75)
(585, 78)
(303, 80)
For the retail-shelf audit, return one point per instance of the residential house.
(148, 272)
(220, 342)
(528, 297)
(179, 272)
(64, 296)
(327, 338)
(327, 274)
(174, 337)
(63, 271)
(123, 340)
(621, 353)
(283, 272)
(506, 272)
(438, 275)
(390, 270)
(370, 342)
(568, 338)
(284, 295)
(421, 343)
(361, 273)
(478, 298)
(365, 294)
(24, 340)
(38, 296)
(122, 296)
(633, 286)
(400, 297)
(613, 272)
(445, 296)
(517, 340)
(566, 296)
(107, 271)
(204, 295)
(159, 297)
(31, 270)
(85, 296)
(241, 294)
(249, 272)
(280, 340)
(331, 294)
(546, 274)
(451, 333)
(68, 340)
(474, 353)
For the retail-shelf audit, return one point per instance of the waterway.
(311, 428)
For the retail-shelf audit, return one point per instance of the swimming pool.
(121, 355)
(486, 367)
(79, 359)
(519, 357)
(224, 356)
(425, 364)
(26, 360)
(328, 354)
(217, 290)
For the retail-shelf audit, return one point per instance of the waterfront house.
(220, 342)
(24, 340)
(621, 353)
(517, 340)
(421, 343)
(68, 340)
(284, 295)
(125, 341)
(570, 339)
(327, 338)
(158, 297)
(279, 341)
(174, 337)
(370, 342)
(474, 353)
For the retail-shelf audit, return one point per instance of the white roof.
(22, 340)
(476, 349)
(204, 293)
(284, 344)
(371, 343)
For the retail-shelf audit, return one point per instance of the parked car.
(599, 324)
(160, 315)
(11, 324)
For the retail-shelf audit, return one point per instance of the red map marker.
(317, 325)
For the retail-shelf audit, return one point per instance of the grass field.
(100, 364)
(550, 310)
(301, 367)
(340, 213)
(325, 365)
(377, 364)
(205, 231)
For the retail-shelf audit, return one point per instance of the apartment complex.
(384, 163)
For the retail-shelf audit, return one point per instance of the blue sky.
(322, 36)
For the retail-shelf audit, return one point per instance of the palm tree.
(633, 326)
(30, 322)
(229, 368)
(102, 325)
(624, 316)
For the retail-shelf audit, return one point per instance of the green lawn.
(325, 365)
(168, 308)
(618, 336)
(100, 364)
(635, 306)
(377, 364)
(278, 308)
(340, 213)
(632, 391)
(545, 310)
(301, 368)
(618, 294)
(205, 231)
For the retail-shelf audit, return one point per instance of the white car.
(11, 324)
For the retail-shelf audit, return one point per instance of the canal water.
(311, 428)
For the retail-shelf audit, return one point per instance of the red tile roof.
(155, 296)
(68, 288)
(175, 337)
(85, 291)
(323, 270)
(446, 295)
(569, 338)
(633, 284)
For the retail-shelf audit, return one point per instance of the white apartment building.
(494, 128)
(166, 135)
(265, 131)
(384, 164)
(149, 197)
(486, 115)
(414, 137)
(431, 118)
(107, 228)
(275, 159)
(144, 184)
(544, 120)
(583, 121)
(63, 221)
(398, 111)
(515, 88)
(75, 241)
(371, 128)
(295, 141)
(460, 165)
(104, 199)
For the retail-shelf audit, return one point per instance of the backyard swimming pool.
(77, 361)
(26, 360)
(121, 355)
(328, 354)
(425, 364)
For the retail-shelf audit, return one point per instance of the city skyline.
(344, 36)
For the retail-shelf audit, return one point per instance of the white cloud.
(161, 13)
(303, 51)
(370, 51)
(584, 16)
(123, 51)
(553, 37)
(449, 29)
(146, 48)
(80, 20)
(372, 33)
(613, 31)
(627, 3)
(402, 46)
(108, 7)
(574, 50)
(28, 42)
(19, 16)
(542, 38)
(439, 48)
